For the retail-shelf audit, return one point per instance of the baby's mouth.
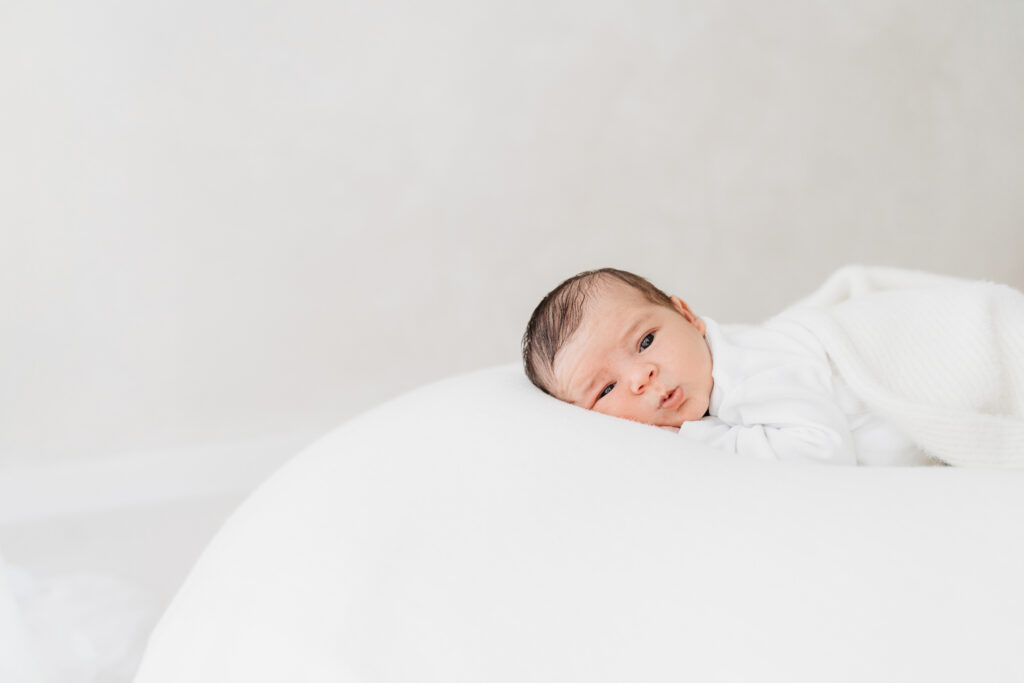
(672, 399)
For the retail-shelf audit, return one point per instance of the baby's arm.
(784, 413)
(797, 442)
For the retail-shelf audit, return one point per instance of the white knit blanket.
(941, 357)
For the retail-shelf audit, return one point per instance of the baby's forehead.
(607, 313)
(613, 298)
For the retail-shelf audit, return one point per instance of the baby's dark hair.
(560, 313)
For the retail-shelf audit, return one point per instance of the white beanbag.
(478, 531)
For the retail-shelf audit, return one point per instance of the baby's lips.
(672, 399)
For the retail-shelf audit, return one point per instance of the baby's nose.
(643, 378)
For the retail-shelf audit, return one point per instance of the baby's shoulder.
(776, 353)
(776, 336)
(773, 360)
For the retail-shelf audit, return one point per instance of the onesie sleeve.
(793, 441)
(779, 410)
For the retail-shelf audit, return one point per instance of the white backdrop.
(224, 220)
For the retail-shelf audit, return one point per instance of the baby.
(609, 341)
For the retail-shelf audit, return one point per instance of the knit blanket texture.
(940, 357)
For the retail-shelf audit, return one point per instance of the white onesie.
(777, 396)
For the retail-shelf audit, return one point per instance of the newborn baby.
(609, 341)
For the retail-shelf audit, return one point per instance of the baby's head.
(610, 341)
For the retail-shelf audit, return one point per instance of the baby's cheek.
(606, 406)
(628, 410)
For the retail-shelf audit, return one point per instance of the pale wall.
(222, 220)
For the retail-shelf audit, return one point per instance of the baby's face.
(634, 359)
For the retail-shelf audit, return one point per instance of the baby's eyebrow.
(627, 339)
(587, 394)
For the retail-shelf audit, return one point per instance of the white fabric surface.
(17, 660)
(477, 530)
(78, 628)
(776, 396)
(941, 357)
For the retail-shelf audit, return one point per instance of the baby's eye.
(647, 341)
(607, 390)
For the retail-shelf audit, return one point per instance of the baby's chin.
(689, 414)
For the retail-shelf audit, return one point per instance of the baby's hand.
(704, 429)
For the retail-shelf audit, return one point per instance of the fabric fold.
(941, 357)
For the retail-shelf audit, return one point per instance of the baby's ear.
(685, 311)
